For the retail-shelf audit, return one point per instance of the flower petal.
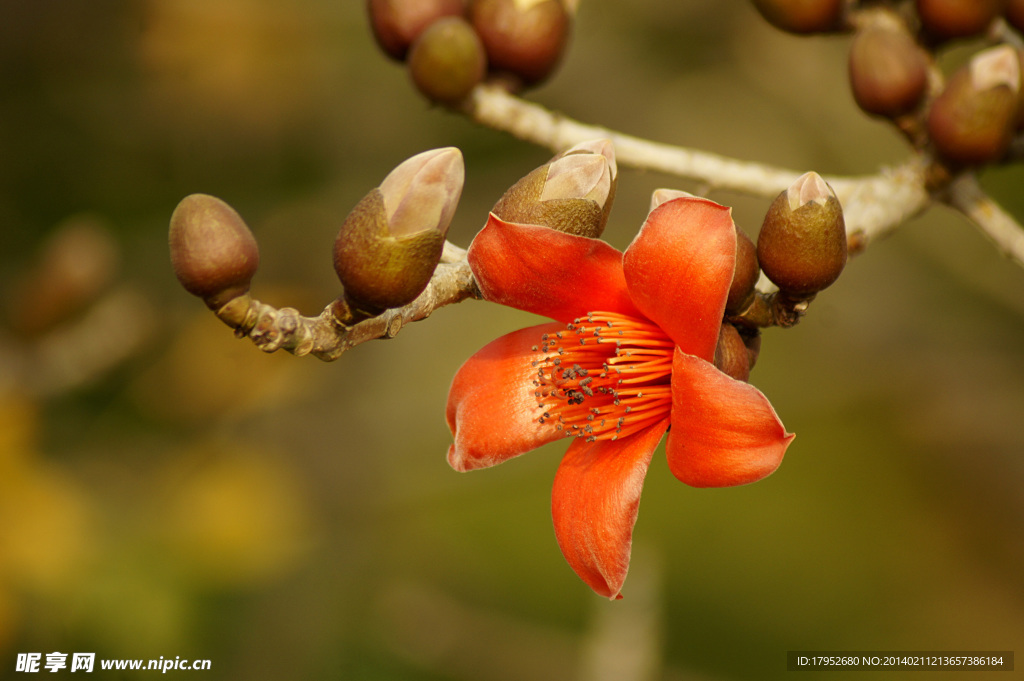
(724, 432)
(679, 268)
(594, 505)
(492, 411)
(558, 275)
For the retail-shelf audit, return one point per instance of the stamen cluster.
(606, 376)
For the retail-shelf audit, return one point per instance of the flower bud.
(447, 61)
(802, 243)
(213, 252)
(571, 193)
(397, 23)
(802, 16)
(390, 243)
(731, 355)
(944, 19)
(741, 292)
(525, 38)
(888, 71)
(973, 120)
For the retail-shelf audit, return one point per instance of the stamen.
(607, 377)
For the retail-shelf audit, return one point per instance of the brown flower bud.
(802, 16)
(447, 61)
(741, 292)
(973, 120)
(524, 38)
(731, 356)
(802, 243)
(397, 23)
(213, 252)
(571, 193)
(944, 19)
(888, 71)
(390, 243)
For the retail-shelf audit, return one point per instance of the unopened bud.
(973, 120)
(572, 193)
(731, 356)
(213, 252)
(944, 19)
(741, 292)
(390, 243)
(802, 16)
(802, 243)
(447, 61)
(524, 38)
(888, 71)
(397, 23)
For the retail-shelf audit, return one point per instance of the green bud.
(802, 16)
(571, 193)
(390, 243)
(397, 24)
(943, 19)
(888, 71)
(213, 252)
(802, 243)
(973, 120)
(524, 38)
(447, 61)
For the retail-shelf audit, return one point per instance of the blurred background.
(168, 490)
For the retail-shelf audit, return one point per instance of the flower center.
(605, 377)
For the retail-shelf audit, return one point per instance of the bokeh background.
(169, 490)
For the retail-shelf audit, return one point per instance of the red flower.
(629, 356)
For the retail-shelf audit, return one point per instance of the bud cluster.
(450, 46)
(964, 120)
(385, 253)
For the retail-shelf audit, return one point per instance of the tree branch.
(967, 196)
(325, 337)
(873, 205)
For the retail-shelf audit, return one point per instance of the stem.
(967, 196)
(325, 337)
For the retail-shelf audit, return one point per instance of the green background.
(289, 519)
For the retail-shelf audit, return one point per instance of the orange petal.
(724, 432)
(492, 410)
(679, 268)
(594, 505)
(558, 275)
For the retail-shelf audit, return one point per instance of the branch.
(967, 196)
(873, 205)
(325, 337)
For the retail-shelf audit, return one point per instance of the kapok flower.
(628, 357)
